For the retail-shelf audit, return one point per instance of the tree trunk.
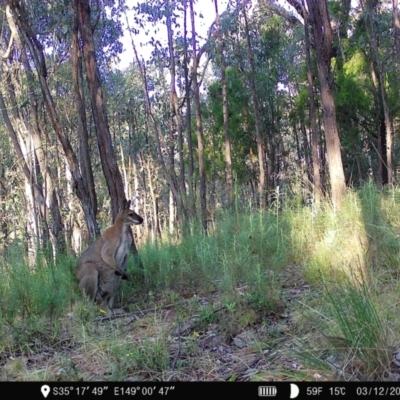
(260, 144)
(157, 130)
(379, 71)
(199, 125)
(225, 111)
(37, 55)
(48, 192)
(396, 26)
(191, 203)
(107, 155)
(322, 30)
(380, 128)
(77, 78)
(174, 106)
(109, 164)
(313, 118)
(31, 217)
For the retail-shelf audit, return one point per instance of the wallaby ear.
(125, 205)
(128, 204)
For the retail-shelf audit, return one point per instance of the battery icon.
(267, 391)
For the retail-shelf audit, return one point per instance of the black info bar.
(186, 390)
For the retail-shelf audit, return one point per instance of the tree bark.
(396, 26)
(77, 78)
(177, 121)
(109, 164)
(107, 155)
(322, 31)
(188, 121)
(260, 143)
(48, 191)
(199, 125)
(313, 119)
(388, 123)
(37, 54)
(225, 111)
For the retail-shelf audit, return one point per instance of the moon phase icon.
(294, 391)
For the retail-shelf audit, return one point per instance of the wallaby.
(102, 265)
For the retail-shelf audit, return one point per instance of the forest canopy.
(273, 99)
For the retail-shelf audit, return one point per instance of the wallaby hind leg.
(108, 285)
(89, 281)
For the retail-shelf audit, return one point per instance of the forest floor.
(169, 342)
(272, 295)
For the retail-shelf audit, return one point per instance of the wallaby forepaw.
(126, 277)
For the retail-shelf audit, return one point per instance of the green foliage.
(147, 355)
(242, 249)
(241, 125)
(41, 290)
(362, 344)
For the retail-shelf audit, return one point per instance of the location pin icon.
(45, 390)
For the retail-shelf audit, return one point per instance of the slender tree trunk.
(396, 27)
(155, 224)
(37, 54)
(225, 111)
(107, 155)
(260, 143)
(31, 217)
(174, 105)
(378, 62)
(188, 121)
(322, 30)
(199, 124)
(177, 121)
(4, 226)
(168, 176)
(49, 192)
(380, 128)
(313, 119)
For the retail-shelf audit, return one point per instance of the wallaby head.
(128, 216)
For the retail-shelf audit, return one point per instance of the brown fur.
(102, 265)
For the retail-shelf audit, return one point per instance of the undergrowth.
(203, 290)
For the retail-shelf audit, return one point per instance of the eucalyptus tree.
(260, 143)
(319, 19)
(199, 122)
(168, 137)
(313, 116)
(268, 82)
(225, 107)
(23, 122)
(111, 170)
(385, 139)
(35, 50)
(322, 32)
(43, 33)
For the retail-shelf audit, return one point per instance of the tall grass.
(43, 290)
(245, 249)
(350, 259)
